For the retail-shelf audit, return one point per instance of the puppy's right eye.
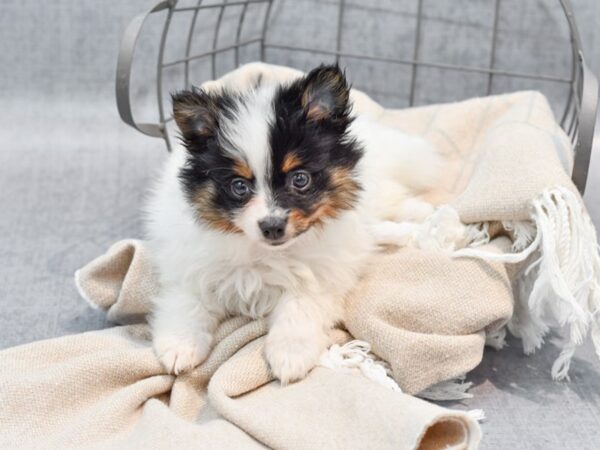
(300, 180)
(240, 188)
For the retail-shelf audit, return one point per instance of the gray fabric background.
(72, 176)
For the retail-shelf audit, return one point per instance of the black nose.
(273, 228)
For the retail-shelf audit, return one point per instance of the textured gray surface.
(72, 176)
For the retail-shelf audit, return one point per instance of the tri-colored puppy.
(267, 209)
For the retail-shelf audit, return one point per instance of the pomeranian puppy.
(267, 210)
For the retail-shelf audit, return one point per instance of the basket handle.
(124, 62)
(587, 122)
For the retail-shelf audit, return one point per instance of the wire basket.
(411, 52)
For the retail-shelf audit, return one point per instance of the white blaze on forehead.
(247, 134)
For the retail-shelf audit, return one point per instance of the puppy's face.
(272, 162)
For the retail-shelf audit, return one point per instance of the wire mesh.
(407, 70)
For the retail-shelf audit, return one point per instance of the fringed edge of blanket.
(559, 286)
(356, 354)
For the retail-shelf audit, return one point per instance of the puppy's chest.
(254, 288)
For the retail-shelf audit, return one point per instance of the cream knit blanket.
(426, 312)
(106, 389)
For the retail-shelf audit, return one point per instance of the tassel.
(441, 231)
(563, 284)
(507, 258)
(455, 389)
(477, 414)
(496, 339)
(357, 355)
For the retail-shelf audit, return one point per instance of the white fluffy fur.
(207, 275)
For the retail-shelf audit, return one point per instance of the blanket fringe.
(477, 414)
(496, 339)
(357, 354)
(455, 389)
(561, 288)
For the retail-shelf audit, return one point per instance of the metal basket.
(232, 32)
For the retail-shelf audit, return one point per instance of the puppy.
(267, 210)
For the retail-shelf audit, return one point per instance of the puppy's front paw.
(291, 358)
(179, 355)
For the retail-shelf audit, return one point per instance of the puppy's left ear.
(325, 94)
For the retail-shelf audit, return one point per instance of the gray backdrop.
(72, 176)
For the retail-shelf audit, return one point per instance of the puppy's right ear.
(195, 113)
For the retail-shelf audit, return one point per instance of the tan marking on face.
(242, 169)
(300, 221)
(208, 214)
(343, 196)
(290, 162)
(345, 189)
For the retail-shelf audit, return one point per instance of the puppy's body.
(234, 230)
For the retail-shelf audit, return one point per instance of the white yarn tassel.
(523, 233)
(441, 231)
(562, 287)
(357, 355)
(477, 414)
(496, 339)
(455, 389)
(508, 258)
(477, 234)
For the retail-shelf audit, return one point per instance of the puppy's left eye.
(300, 180)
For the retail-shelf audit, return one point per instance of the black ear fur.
(195, 113)
(325, 93)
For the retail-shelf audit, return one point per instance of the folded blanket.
(427, 313)
(106, 389)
